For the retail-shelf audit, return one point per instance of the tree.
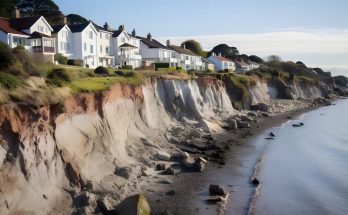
(194, 46)
(46, 8)
(256, 59)
(6, 7)
(275, 58)
(341, 80)
(225, 50)
(76, 19)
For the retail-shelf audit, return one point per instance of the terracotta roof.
(23, 23)
(182, 50)
(152, 43)
(220, 58)
(6, 27)
(38, 35)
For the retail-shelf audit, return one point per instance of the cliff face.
(105, 140)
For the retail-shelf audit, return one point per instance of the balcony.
(45, 49)
(130, 56)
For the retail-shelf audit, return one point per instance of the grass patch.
(93, 84)
(9, 81)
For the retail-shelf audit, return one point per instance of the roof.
(182, 50)
(78, 27)
(126, 45)
(23, 23)
(207, 60)
(220, 58)
(6, 27)
(152, 43)
(241, 63)
(57, 28)
(99, 28)
(38, 35)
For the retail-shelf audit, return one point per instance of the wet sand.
(191, 189)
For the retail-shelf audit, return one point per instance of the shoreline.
(190, 187)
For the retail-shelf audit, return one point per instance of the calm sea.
(305, 170)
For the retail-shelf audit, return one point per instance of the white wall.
(64, 42)
(40, 26)
(104, 41)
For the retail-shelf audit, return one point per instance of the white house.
(12, 37)
(105, 45)
(208, 65)
(243, 66)
(34, 33)
(155, 52)
(85, 42)
(64, 40)
(222, 63)
(187, 59)
(126, 49)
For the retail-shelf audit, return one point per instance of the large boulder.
(216, 190)
(133, 205)
(162, 155)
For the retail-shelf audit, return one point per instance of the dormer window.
(91, 35)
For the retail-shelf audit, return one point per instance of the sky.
(313, 31)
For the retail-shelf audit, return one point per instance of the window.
(107, 50)
(107, 36)
(123, 40)
(91, 49)
(68, 46)
(91, 35)
(187, 57)
(101, 49)
(101, 35)
(62, 46)
(85, 47)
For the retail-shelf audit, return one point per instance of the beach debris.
(169, 171)
(271, 134)
(160, 167)
(216, 190)
(266, 115)
(261, 107)
(252, 114)
(269, 138)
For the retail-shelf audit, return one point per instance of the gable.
(43, 21)
(90, 27)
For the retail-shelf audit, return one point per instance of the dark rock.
(247, 118)
(104, 205)
(215, 199)
(160, 167)
(242, 124)
(123, 172)
(252, 114)
(255, 181)
(189, 162)
(216, 190)
(269, 138)
(272, 134)
(261, 107)
(200, 164)
(134, 205)
(169, 171)
(170, 193)
(266, 115)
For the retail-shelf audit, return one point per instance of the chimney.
(106, 26)
(16, 13)
(220, 54)
(121, 28)
(168, 43)
(65, 20)
(149, 36)
(134, 33)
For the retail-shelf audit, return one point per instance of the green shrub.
(178, 68)
(9, 81)
(75, 62)
(129, 74)
(60, 58)
(101, 70)
(6, 57)
(58, 77)
(128, 67)
(119, 73)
